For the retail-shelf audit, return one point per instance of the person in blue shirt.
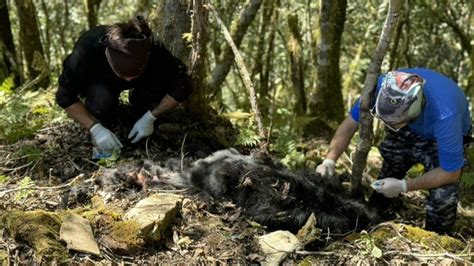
(427, 117)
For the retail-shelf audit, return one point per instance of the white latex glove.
(390, 187)
(104, 138)
(143, 127)
(326, 168)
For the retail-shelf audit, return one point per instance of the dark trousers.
(400, 151)
(102, 99)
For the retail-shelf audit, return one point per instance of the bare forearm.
(342, 138)
(433, 179)
(79, 113)
(166, 104)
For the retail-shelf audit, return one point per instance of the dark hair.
(134, 29)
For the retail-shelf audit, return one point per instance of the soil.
(206, 231)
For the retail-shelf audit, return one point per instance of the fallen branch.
(32, 187)
(433, 255)
(315, 253)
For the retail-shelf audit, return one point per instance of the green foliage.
(110, 161)
(21, 115)
(294, 159)
(25, 189)
(31, 153)
(6, 89)
(467, 179)
(286, 133)
(416, 170)
(247, 137)
(4, 179)
(16, 119)
(369, 248)
(248, 133)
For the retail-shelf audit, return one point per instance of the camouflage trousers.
(403, 149)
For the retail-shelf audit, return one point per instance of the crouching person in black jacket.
(107, 60)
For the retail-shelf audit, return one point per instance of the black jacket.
(88, 64)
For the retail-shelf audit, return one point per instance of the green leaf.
(25, 186)
(376, 252)
(4, 179)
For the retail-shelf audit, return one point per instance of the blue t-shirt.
(445, 116)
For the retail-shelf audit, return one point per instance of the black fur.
(276, 197)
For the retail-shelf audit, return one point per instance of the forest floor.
(54, 173)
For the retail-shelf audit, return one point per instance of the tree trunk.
(296, 61)
(327, 106)
(92, 9)
(31, 42)
(366, 133)
(172, 24)
(8, 64)
(264, 23)
(47, 38)
(143, 7)
(176, 19)
(265, 86)
(197, 103)
(394, 51)
(238, 30)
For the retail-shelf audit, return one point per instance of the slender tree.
(30, 41)
(366, 132)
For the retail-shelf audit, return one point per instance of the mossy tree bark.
(197, 102)
(295, 48)
(327, 104)
(31, 45)
(173, 22)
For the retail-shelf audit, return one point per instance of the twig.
(434, 255)
(89, 161)
(16, 168)
(182, 149)
(320, 253)
(146, 149)
(74, 164)
(52, 127)
(169, 190)
(80, 176)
